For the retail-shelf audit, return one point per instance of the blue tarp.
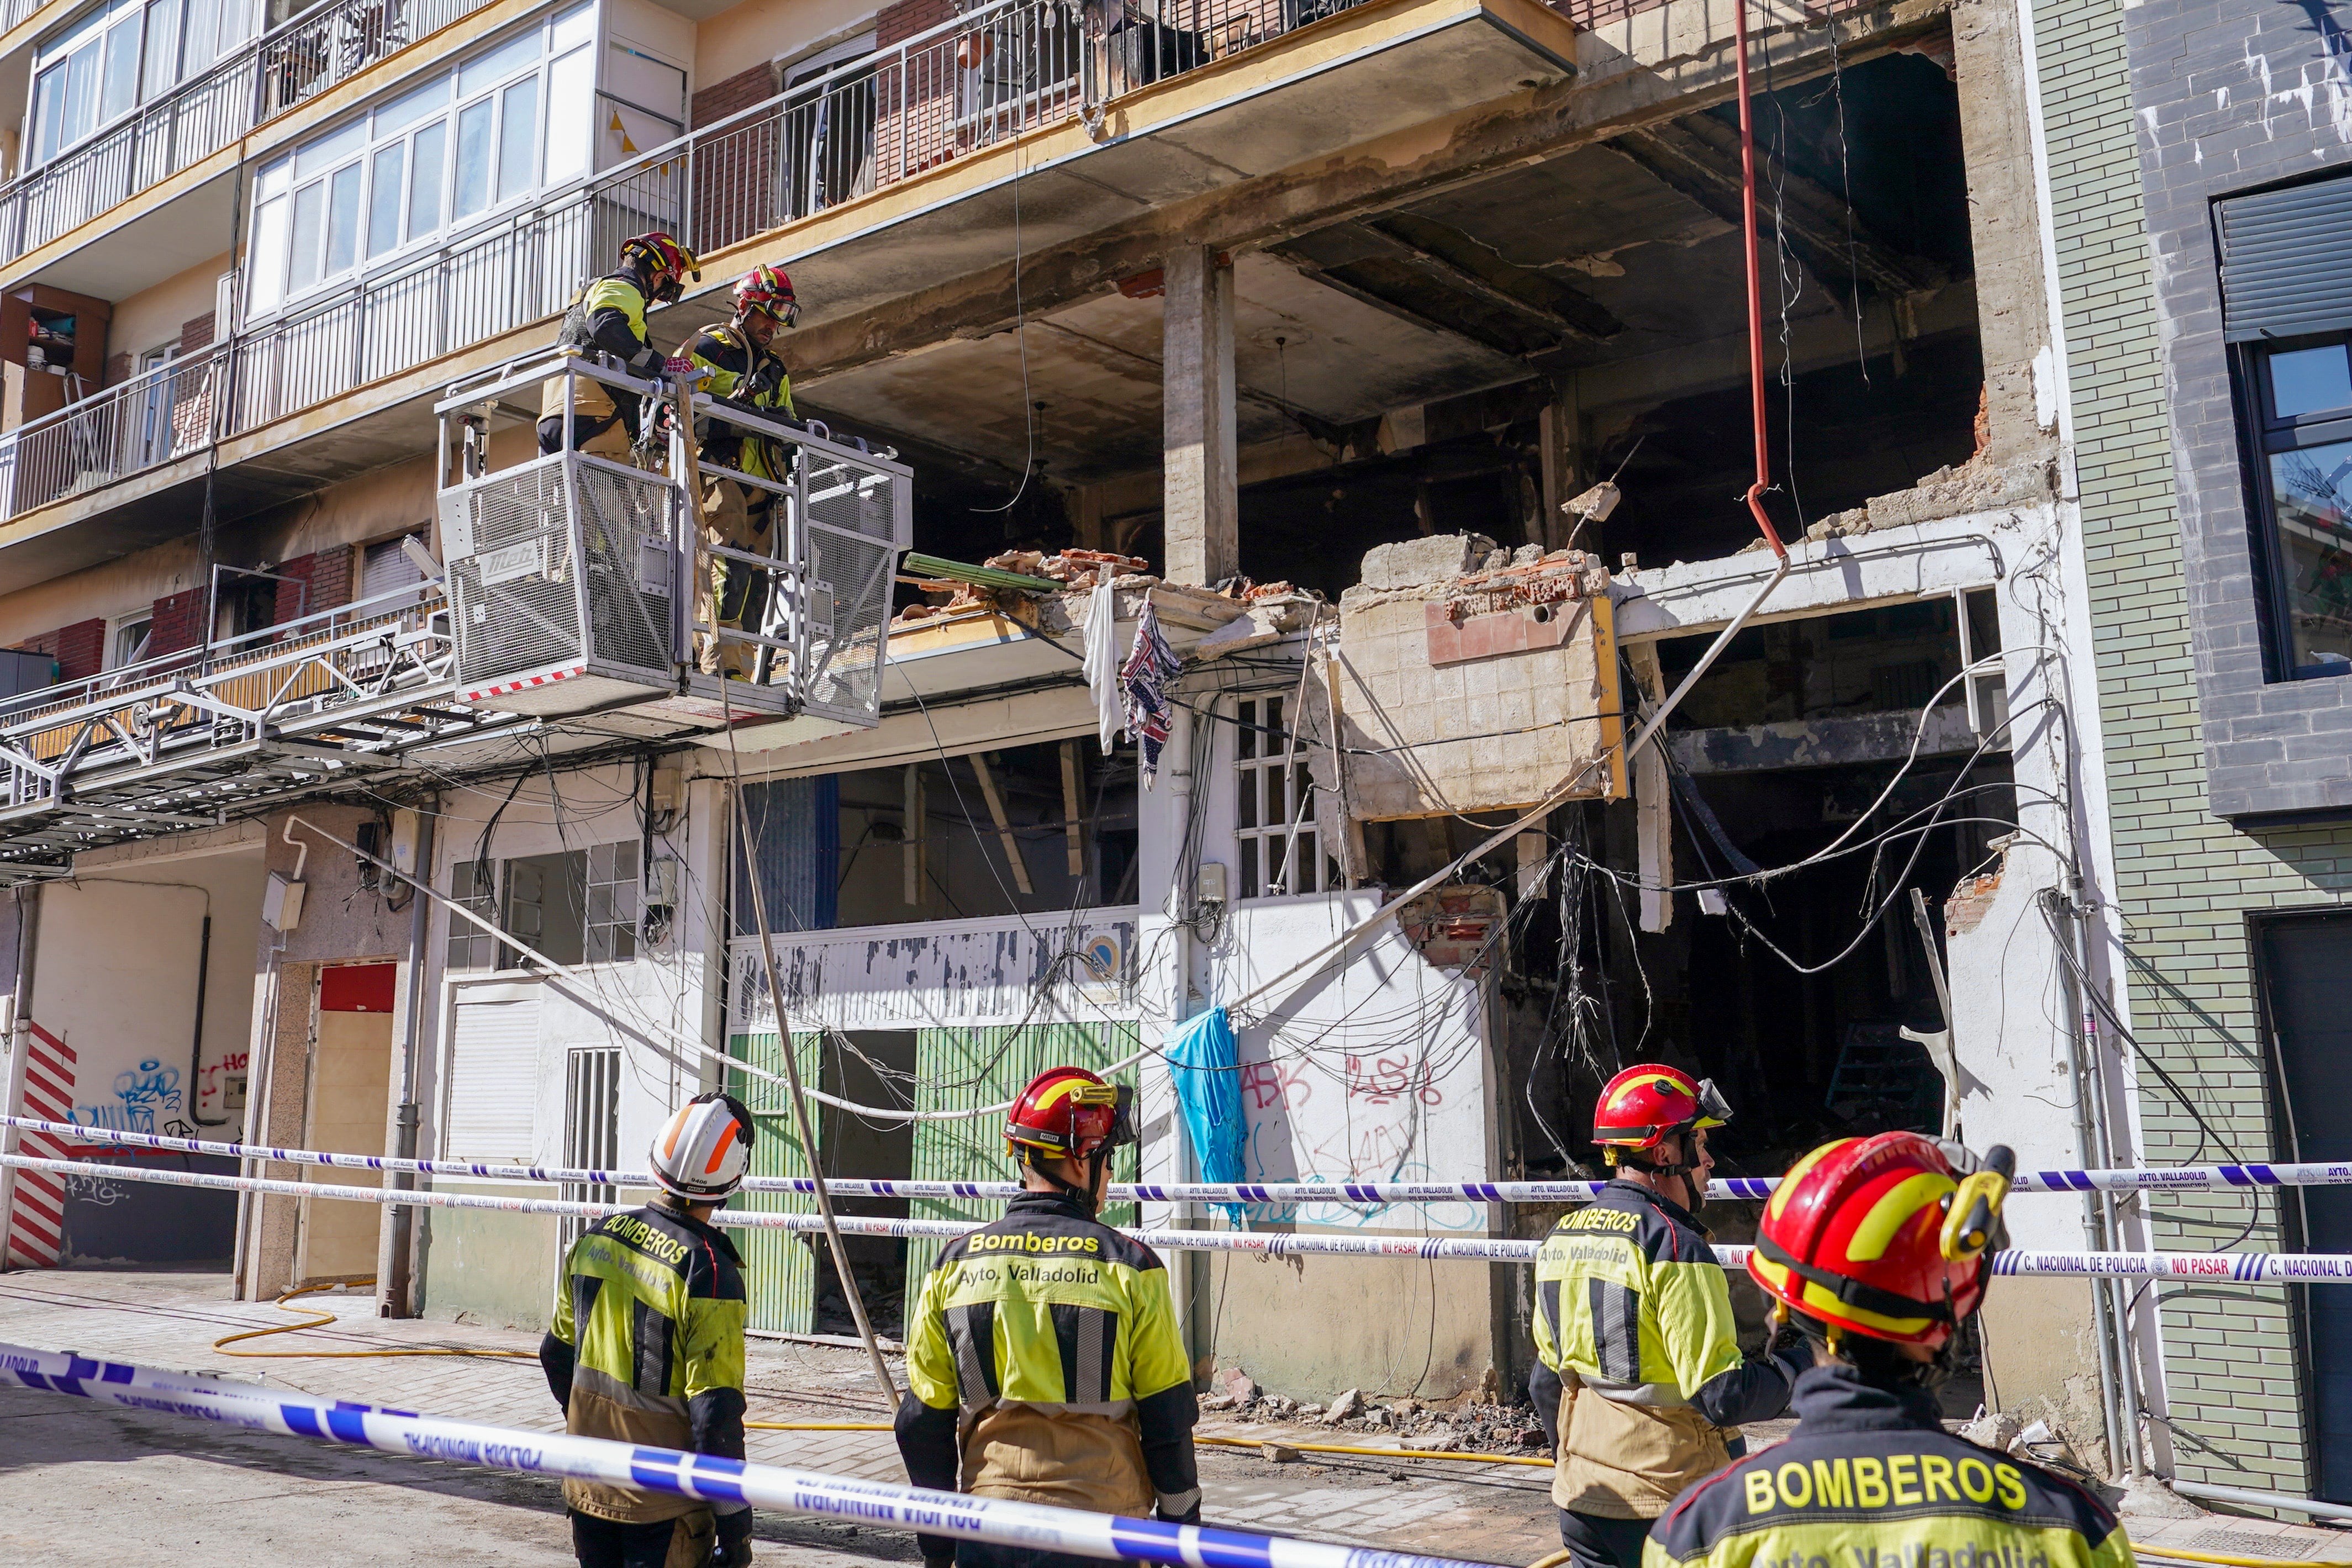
(1205, 1061)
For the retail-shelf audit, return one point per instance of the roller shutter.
(2284, 262)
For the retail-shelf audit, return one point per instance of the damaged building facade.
(1391, 360)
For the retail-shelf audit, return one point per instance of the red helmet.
(1643, 1106)
(1068, 1113)
(767, 290)
(1882, 1237)
(669, 262)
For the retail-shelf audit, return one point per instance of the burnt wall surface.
(2236, 96)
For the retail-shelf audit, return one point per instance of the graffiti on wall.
(143, 1098)
(213, 1080)
(1409, 1111)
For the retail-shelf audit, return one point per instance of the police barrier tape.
(2180, 1178)
(699, 1475)
(2245, 1268)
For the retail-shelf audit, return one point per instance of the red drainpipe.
(1754, 290)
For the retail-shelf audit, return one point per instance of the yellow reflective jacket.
(1870, 1479)
(748, 376)
(647, 1347)
(609, 315)
(1043, 1364)
(1642, 1382)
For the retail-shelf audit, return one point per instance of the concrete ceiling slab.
(1096, 367)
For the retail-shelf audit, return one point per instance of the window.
(403, 174)
(2301, 397)
(117, 56)
(474, 885)
(129, 644)
(592, 1128)
(612, 894)
(576, 906)
(1274, 815)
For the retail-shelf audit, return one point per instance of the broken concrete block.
(1409, 563)
(1351, 1402)
(1279, 1453)
(1497, 560)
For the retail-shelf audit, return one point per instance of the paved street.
(84, 1484)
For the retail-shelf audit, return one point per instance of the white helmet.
(702, 1151)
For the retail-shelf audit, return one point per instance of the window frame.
(2265, 434)
(1260, 743)
(273, 209)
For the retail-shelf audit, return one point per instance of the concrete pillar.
(1200, 496)
(2013, 298)
(1561, 432)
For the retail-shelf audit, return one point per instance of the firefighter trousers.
(734, 593)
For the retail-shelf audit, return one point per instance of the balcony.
(173, 134)
(889, 173)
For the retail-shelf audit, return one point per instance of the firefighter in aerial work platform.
(1874, 1249)
(741, 368)
(1042, 1358)
(608, 318)
(647, 1348)
(1641, 1379)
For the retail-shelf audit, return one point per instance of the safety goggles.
(1714, 1111)
(1122, 1127)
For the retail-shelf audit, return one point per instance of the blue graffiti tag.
(143, 1091)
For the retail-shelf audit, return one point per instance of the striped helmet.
(1882, 1237)
(1645, 1106)
(1068, 1113)
(768, 290)
(702, 1151)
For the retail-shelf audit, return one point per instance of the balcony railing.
(189, 737)
(258, 81)
(997, 71)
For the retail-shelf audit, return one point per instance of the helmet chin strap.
(1694, 1196)
(1083, 1198)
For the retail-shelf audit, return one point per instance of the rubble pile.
(1464, 1426)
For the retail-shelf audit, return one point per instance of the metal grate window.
(614, 894)
(1275, 814)
(474, 884)
(592, 1128)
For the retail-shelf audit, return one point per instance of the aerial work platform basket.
(573, 576)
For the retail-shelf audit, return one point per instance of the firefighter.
(1043, 1359)
(608, 318)
(741, 368)
(1873, 1247)
(1641, 1379)
(647, 1348)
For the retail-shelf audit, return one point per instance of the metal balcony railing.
(997, 71)
(255, 83)
(185, 739)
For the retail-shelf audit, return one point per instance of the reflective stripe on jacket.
(1642, 1374)
(1870, 1479)
(652, 1307)
(1044, 1352)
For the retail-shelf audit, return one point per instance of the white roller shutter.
(494, 1081)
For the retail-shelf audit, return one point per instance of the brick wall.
(179, 621)
(79, 649)
(739, 92)
(2185, 878)
(327, 576)
(909, 17)
(197, 333)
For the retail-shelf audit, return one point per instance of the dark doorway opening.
(2302, 961)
